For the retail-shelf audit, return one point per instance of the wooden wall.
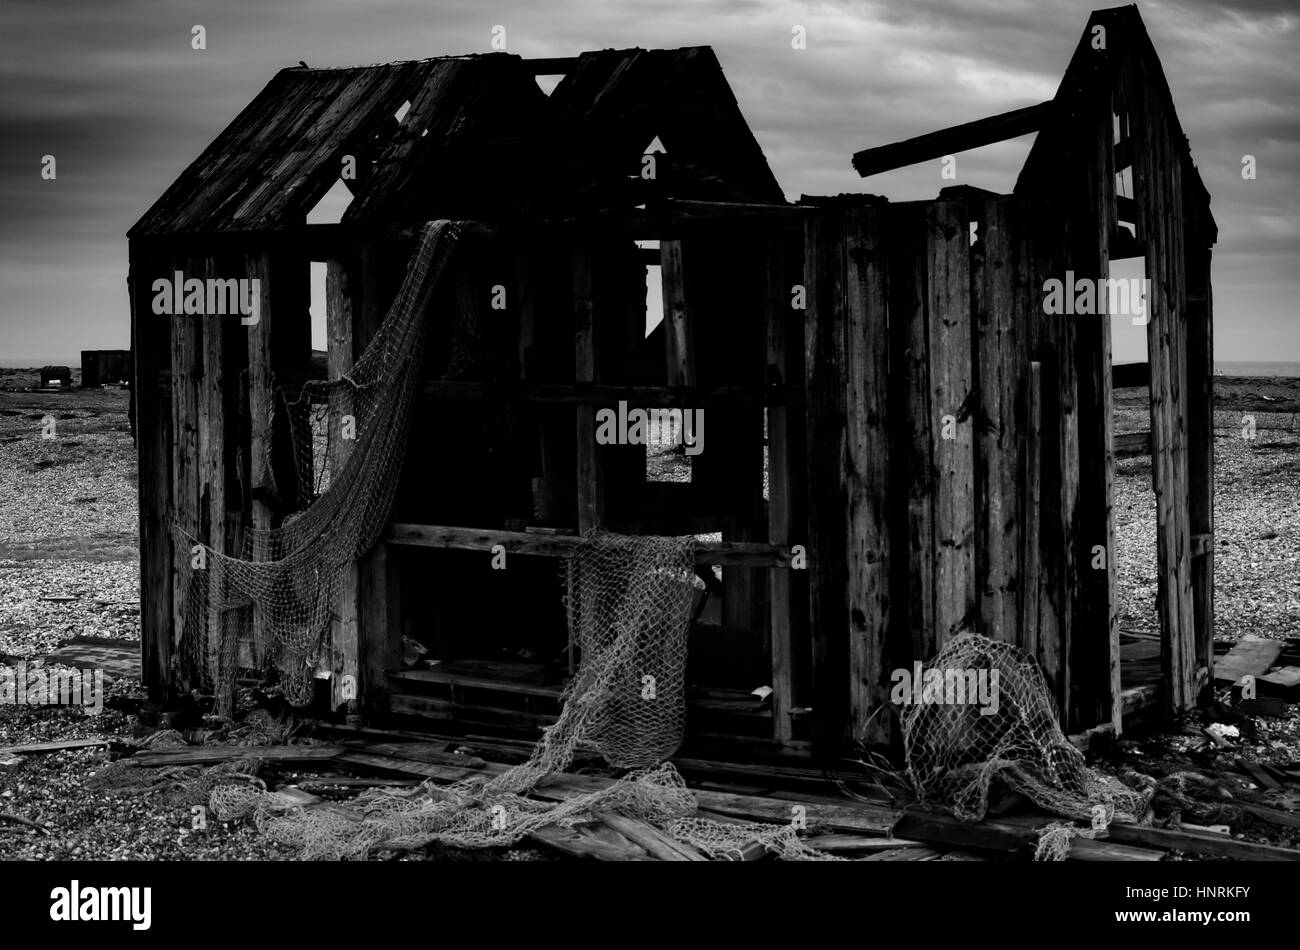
(943, 427)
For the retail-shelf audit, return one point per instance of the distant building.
(106, 367)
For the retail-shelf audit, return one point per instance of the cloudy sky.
(114, 91)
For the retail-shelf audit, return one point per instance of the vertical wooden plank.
(212, 488)
(590, 488)
(261, 395)
(1094, 654)
(678, 335)
(949, 339)
(1200, 431)
(379, 629)
(1031, 462)
(1005, 302)
(340, 357)
(825, 415)
(912, 419)
(187, 356)
(779, 513)
(151, 395)
(866, 472)
(1157, 187)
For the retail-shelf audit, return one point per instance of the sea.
(1257, 368)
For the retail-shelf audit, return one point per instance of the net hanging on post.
(282, 589)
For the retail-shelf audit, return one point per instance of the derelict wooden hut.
(843, 535)
(105, 367)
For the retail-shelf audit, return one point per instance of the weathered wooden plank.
(187, 369)
(912, 419)
(151, 399)
(737, 553)
(1007, 125)
(212, 491)
(340, 327)
(1002, 298)
(261, 402)
(826, 421)
(1031, 517)
(867, 471)
(779, 507)
(1157, 187)
(590, 487)
(951, 429)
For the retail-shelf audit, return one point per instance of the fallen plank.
(213, 754)
(384, 763)
(650, 838)
(1261, 778)
(837, 842)
(38, 747)
(1252, 656)
(581, 842)
(1273, 815)
(906, 854)
(1169, 840)
(419, 752)
(1280, 681)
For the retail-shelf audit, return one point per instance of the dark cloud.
(115, 92)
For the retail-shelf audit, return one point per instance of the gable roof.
(480, 136)
(1092, 72)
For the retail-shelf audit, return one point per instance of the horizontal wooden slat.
(596, 394)
(734, 553)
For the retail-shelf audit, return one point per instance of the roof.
(480, 137)
(1089, 72)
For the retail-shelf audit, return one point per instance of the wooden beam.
(601, 394)
(591, 503)
(734, 553)
(958, 138)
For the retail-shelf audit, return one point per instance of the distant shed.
(106, 367)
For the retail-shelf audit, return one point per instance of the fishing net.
(279, 595)
(629, 602)
(981, 714)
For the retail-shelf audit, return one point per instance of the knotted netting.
(629, 601)
(280, 592)
(983, 714)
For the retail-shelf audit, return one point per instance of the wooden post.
(340, 328)
(590, 489)
(779, 511)
(1031, 462)
(187, 368)
(824, 274)
(950, 426)
(151, 395)
(866, 471)
(261, 395)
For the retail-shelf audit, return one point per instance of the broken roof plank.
(958, 138)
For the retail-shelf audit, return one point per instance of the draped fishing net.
(629, 601)
(986, 716)
(279, 595)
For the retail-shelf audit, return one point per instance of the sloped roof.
(1089, 72)
(473, 121)
(283, 151)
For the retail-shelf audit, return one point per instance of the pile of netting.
(629, 601)
(282, 590)
(983, 715)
